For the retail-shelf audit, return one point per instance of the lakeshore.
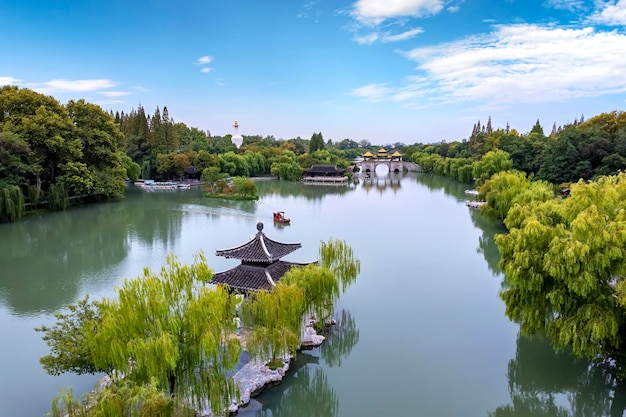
(112, 241)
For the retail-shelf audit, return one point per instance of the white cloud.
(514, 64)
(368, 39)
(307, 8)
(453, 9)
(571, 5)
(8, 81)
(386, 37)
(610, 13)
(114, 93)
(372, 92)
(203, 60)
(206, 70)
(108, 102)
(71, 86)
(376, 11)
(402, 36)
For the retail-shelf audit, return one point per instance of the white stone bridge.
(394, 162)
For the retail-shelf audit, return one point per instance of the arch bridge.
(394, 162)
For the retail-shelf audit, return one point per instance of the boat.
(162, 185)
(279, 217)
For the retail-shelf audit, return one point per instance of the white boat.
(162, 185)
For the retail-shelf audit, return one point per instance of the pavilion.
(261, 267)
(325, 173)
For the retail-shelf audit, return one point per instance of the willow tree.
(491, 163)
(11, 203)
(276, 316)
(507, 188)
(171, 330)
(565, 261)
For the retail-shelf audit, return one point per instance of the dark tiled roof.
(259, 249)
(246, 277)
(322, 169)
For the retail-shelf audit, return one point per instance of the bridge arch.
(393, 162)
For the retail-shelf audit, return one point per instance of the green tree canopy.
(564, 260)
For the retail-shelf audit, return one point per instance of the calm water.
(422, 333)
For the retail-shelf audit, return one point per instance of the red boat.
(279, 217)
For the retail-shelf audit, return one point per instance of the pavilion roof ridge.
(259, 249)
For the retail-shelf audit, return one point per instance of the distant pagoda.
(261, 267)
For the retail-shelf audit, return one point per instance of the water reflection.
(439, 182)
(154, 220)
(544, 382)
(489, 227)
(297, 189)
(487, 241)
(384, 183)
(305, 386)
(44, 262)
(340, 340)
(306, 390)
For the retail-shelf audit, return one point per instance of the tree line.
(53, 154)
(50, 152)
(562, 198)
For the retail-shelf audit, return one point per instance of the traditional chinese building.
(261, 265)
(393, 161)
(325, 173)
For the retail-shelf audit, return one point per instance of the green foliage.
(58, 198)
(172, 165)
(168, 329)
(17, 165)
(212, 174)
(11, 203)
(338, 257)
(67, 340)
(76, 179)
(491, 163)
(276, 316)
(460, 169)
(239, 188)
(564, 260)
(245, 187)
(286, 167)
(133, 170)
(122, 399)
(507, 188)
(316, 143)
(61, 151)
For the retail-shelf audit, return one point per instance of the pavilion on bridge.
(261, 266)
(382, 155)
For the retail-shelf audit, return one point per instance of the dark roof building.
(325, 171)
(261, 267)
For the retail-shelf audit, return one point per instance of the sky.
(386, 71)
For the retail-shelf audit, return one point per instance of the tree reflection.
(487, 241)
(154, 220)
(46, 260)
(297, 189)
(304, 393)
(450, 186)
(340, 340)
(305, 390)
(544, 382)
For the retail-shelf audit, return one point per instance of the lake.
(422, 332)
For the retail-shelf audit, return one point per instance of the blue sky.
(382, 70)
